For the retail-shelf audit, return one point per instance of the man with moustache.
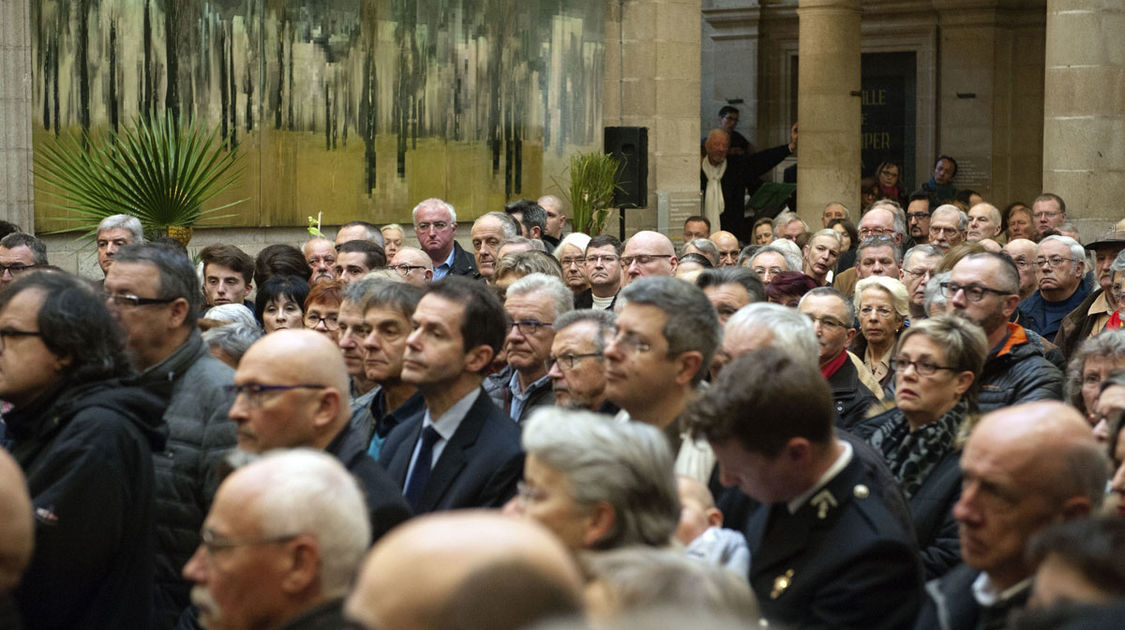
(918, 217)
(320, 254)
(577, 360)
(947, 227)
(603, 270)
(281, 545)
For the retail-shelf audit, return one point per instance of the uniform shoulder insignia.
(861, 491)
(780, 583)
(823, 502)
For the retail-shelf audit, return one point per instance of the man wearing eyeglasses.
(918, 217)
(1022, 253)
(577, 360)
(1061, 261)
(291, 391)
(435, 225)
(918, 266)
(947, 227)
(984, 288)
(154, 292)
(1049, 212)
(648, 254)
(887, 224)
(280, 545)
(603, 271)
(533, 303)
(20, 252)
(414, 266)
(462, 451)
(1091, 317)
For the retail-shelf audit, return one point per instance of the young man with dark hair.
(228, 275)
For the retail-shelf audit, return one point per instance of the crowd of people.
(912, 421)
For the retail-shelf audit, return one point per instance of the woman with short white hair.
(882, 305)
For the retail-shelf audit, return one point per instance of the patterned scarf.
(912, 455)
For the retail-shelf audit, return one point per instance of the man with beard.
(984, 288)
(320, 254)
(918, 217)
(577, 361)
(947, 227)
(280, 545)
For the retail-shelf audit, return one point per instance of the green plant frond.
(593, 179)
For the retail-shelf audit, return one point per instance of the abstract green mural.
(353, 108)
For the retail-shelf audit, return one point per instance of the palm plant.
(593, 180)
(156, 169)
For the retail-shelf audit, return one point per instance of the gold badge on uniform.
(780, 583)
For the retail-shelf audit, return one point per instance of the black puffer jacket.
(200, 433)
(1018, 372)
(87, 453)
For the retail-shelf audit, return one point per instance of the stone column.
(828, 160)
(1083, 120)
(15, 114)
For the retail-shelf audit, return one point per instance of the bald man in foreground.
(648, 253)
(16, 535)
(454, 569)
(292, 390)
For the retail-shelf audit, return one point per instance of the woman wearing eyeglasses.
(322, 309)
(84, 440)
(936, 363)
(882, 306)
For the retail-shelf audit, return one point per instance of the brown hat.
(1109, 239)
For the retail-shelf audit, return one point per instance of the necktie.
(421, 473)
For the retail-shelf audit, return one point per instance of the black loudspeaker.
(630, 145)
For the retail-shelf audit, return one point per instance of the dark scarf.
(912, 455)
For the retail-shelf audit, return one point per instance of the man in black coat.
(435, 225)
(828, 549)
(293, 393)
(464, 451)
(734, 176)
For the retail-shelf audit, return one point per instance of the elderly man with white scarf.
(725, 179)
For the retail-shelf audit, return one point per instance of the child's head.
(698, 511)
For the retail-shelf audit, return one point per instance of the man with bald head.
(728, 248)
(556, 220)
(1022, 253)
(489, 233)
(293, 392)
(725, 179)
(414, 265)
(648, 254)
(984, 223)
(16, 535)
(1024, 468)
(414, 578)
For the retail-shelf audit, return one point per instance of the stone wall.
(15, 113)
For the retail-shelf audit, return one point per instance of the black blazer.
(385, 505)
(841, 562)
(479, 466)
(463, 262)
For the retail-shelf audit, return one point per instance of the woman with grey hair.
(596, 483)
(1089, 367)
(883, 306)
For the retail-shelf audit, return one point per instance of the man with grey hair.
(154, 292)
(1022, 253)
(295, 523)
(704, 247)
(789, 225)
(360, 231)
(18, 253)
(729, 289)
(435, 225)
(320, 254)
(821, 253)
(489, 232)
(577, 360)
(230, 341)
(984, 223)
(763, 325)
(1024, 468)
(533, 304)
(948, 224)
(918, 266)
(833, 318)
(115, 232)
(666, 335)
(1062, 265)
(875, 256)
(1091, 317)
(833, 210)
(293, 393)
(556, 219)
(771, 260)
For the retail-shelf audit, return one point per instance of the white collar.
(446, 425)
(841, 462)
(987, 595)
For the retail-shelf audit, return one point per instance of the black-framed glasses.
(568, 361)
(12, 332)
(312, 320)
(923, 368)
(1054, 261)
(642, 259)
(132, 301)
(16, 269)
(918, 216)
(215, 544)
(870, 231)
(529, 327)
(973, 292)
(605, 259)
(255, 391)
(404, 268)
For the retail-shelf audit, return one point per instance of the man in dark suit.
(435, 225)
(464, 451)
(827, 549)
(293, 393)
(725, 179)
